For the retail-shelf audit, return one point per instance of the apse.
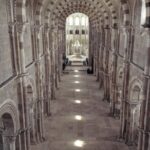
(77, 37)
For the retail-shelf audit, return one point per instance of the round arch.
(9, 107)
(77, 37)
(137, 13)
(9, 124)
(135, 97)
(135, 85)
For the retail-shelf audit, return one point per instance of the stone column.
(47, 71)
(9, 142)
(39, 104)
(106, 64)
(12, 141)
(53, 74)
(94, 49)
(32, 121)
(144, 129)
(131, 115)
(127, 58)
(91, 45)
(21, 82)
(64, 40)
(57, 56)
(13, 45)
(60, 45)
(98, 54)
(113, 74)
(101, 58)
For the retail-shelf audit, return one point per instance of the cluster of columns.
(144, 129)
(104, 45)
(53, 42)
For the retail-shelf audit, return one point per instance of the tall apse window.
(77, 21)
(77, 45)
(83, 21)
(70, 20)
(143, 13)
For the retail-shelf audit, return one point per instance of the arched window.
(70, 21)
(86, 21)
(83, 21)
(136, 93)
(143, 13)
(137, 13)
(77, 21)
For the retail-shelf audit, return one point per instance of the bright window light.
(83, 21)
(77, 101)
(76, 71)
(70, 21)
(77, 21)
(143, 13)
(79, 143)
(77, 90)
(87, 21)
(76, 82)
(76, 76)
(78, 117)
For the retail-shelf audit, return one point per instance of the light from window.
(87, 22)
(70, 21)
(143, 13)
(77, 21)
(83, 21)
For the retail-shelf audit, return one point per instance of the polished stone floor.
(80, 118)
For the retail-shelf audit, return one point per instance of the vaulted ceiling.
(99, 11)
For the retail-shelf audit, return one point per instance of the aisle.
(79, 117)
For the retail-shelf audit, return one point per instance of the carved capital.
(127, 29)
(37, 28)
(21, 26)
(46, 27)
(11, 24)
(11, 139)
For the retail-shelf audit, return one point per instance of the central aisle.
(80, 118)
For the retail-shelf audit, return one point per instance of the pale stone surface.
(97, 129)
